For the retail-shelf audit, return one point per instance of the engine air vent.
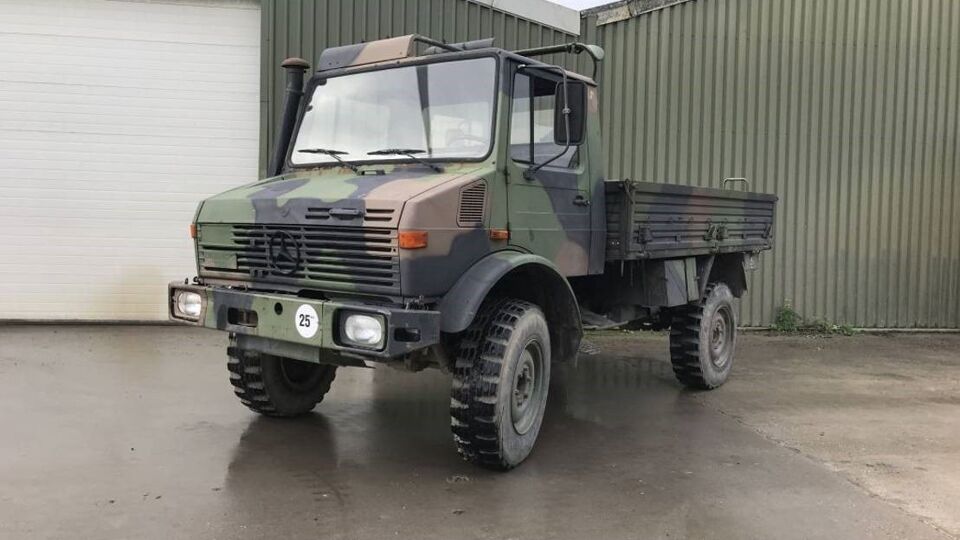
(370, 215)
(378, 214)
(472, 201)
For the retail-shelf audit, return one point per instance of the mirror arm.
(593, 51)
(528, 174)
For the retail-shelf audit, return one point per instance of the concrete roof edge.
(627, 9)
(541, 11)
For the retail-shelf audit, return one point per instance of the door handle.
(580, 200)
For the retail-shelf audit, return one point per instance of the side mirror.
(577, 103)
(595, 51)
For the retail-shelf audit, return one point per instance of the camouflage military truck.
(445, 205)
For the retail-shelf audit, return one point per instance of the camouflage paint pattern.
(361, 54)
(276, 319)
(306, 203)
(659, 221)
(344, 226)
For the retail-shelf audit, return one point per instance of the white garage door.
(116, 118)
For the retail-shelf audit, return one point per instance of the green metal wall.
(305, 27)
(846, 109)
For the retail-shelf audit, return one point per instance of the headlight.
(363, 330)
(189, 304)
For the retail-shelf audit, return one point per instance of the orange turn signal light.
(412, 239)
(193, 230)
(499, 234)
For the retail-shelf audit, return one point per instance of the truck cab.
(431, 205)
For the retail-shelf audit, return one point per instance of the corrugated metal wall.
(305, 27)
(847, 110)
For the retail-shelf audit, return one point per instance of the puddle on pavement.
(383, 415)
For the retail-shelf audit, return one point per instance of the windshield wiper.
(335, 154)
(409, 152)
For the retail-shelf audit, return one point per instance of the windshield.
(440, 110)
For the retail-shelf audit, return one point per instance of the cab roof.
(405, 48)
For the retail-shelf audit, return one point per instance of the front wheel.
(703, 339)
(277, 386)
(500, 384)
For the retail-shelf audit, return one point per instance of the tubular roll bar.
(436, 43)
(593, 51)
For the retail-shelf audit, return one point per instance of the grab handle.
(731, 180)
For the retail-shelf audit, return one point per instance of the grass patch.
(789, 321)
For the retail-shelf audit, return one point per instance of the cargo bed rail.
(649, 221)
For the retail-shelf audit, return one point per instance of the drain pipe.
(291, 105)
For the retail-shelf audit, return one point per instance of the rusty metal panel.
(305, 27)
(847, 111)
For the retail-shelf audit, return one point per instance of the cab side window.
(532, 123)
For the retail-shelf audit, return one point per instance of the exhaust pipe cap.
(295, 63)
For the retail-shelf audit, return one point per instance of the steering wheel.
(465, 138)
(460, 135)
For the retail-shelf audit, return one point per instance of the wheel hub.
(299, 375)
(721, 337)
(521, 394)
(527, 388)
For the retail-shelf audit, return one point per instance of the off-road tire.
(265, 385)
(493, 424)
(699, 360)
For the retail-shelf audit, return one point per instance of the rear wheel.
(703, 339)
(500, 384)
(277, 386)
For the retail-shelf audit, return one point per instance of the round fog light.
(363, 330)
(189, 304)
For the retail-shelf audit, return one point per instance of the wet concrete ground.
(133, 432)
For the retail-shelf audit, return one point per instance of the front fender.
(461, 303)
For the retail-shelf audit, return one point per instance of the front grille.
(356, 259)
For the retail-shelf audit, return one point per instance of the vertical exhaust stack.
(295, 67)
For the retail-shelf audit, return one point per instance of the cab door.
(549, 208)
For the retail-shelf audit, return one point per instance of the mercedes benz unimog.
(434, 205)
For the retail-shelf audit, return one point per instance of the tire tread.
(685, 344)
(246, 377)
(476, 374)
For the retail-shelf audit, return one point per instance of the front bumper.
(274, 317)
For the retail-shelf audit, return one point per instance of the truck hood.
(334, 196)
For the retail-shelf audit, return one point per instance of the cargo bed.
(655, 221)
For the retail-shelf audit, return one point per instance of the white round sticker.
(307, 321)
